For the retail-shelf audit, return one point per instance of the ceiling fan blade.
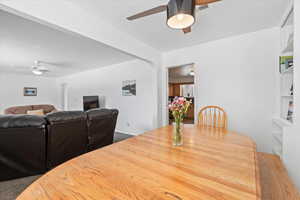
(187, 30)
(205, 2)
(148, 12)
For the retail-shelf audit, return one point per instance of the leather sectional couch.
(31, 145)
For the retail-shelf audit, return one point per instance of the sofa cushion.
(35, 112)
(46, 108)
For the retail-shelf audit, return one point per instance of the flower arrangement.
(179, 107)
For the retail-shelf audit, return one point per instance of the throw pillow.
(35, 112)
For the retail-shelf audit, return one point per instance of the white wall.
(12, 85)
(237, 73)
(137, 113)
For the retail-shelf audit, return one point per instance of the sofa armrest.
(21, 121)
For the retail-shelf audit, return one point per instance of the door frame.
(196, 89)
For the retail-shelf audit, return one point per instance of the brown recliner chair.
(67, 136)
(22, 110)
(101, 125)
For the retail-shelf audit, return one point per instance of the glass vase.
(177, 134)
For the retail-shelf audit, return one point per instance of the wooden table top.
(212, 164)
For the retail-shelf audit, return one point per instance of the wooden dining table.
(212, 164)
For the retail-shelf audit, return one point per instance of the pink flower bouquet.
(179, 108)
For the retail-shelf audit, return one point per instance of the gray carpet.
(120, 136)
(9, 190)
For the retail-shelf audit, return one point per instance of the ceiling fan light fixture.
(37, 72)
(181, 13)
(192, 73)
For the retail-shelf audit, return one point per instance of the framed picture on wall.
(30, 91)
(129, 88)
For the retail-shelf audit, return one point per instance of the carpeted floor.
(120, 136)
(9, 190)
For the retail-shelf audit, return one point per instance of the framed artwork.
(29, 91)
(129, 88)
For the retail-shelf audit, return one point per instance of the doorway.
(181, 83)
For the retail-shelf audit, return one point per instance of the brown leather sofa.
(22, 110)
(31, 145)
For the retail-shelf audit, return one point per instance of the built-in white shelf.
(278, 137)
(289, 48)
(286, 77)
(288, 71)
(282, 122)
(285, 86)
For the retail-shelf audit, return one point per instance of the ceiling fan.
(39, 68)
(180, 13)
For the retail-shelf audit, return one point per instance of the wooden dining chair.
(212, 116)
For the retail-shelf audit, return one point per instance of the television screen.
(90, 102)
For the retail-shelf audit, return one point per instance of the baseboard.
(125, 132)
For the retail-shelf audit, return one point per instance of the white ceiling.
(23, 41)
(222, 19)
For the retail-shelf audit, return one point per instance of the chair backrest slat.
(213, 116)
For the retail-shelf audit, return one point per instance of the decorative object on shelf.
(179, 107)
(286, 62)
(290, 112)
(292, 90)
(29, 91)
(129, 88)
